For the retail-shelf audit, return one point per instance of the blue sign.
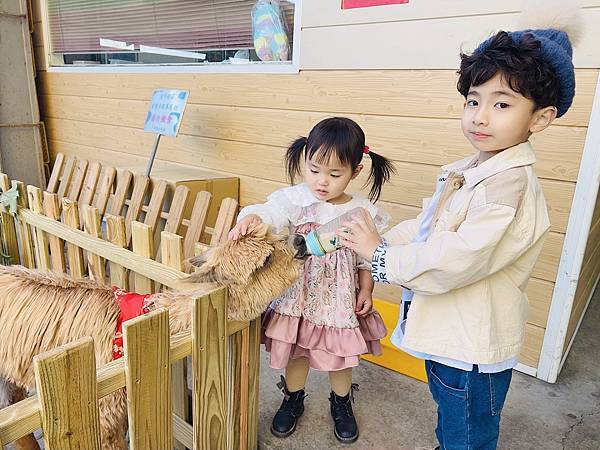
(165, 111)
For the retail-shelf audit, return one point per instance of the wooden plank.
(209, 363)
(25, 242)
(74, 253)
(77, 180)
(144, 266)
(140, 184)
(57, 247)
(197, 222)
(532, 345)
(54, 179)
(9, 232)
(172, 255)
(424, 140)
(253, 382)
(244, 398)
(183, 433)
(105, 188)
(225, 220)
(115, 233)
(155, 205)
(118, 200)
(176, 211)
(67, 174)
(147, 374)
(67, 389)
(42, 253)
(142, 244)
(89, 187)
(417, 93)
(92, 224)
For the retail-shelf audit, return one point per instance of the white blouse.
(296, 205)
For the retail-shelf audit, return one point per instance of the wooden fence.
(224, 353)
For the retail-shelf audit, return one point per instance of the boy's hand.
(364, 302)
(361, 235)
(250, 221)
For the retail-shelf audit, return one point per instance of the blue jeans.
(469, 406)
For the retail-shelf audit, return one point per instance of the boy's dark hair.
(520, 63)
(344, 139)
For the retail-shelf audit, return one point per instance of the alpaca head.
(256, 268)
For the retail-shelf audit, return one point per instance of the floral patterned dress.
(316, 317)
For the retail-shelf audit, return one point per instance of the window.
(131, 33)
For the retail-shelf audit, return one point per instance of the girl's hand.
(361, 235)
(364, 302)
(250, 221)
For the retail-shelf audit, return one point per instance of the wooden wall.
(240, 124)
(588, 277)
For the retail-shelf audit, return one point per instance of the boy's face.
(495, 117)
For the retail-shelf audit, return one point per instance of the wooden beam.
(67, 391)
(144, 266)
(147, 377)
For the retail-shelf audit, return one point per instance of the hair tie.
(366, 150)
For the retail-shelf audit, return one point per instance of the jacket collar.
(517, 156)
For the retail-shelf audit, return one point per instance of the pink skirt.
(327, 348)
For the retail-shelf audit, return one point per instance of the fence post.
(57, 247)
(253, 380)
(142, 244)
(42, 253)
(209, 362)
(9, 232)
(172, 255)
(92, 221)
(115, 233)
(24, 229)
(148, 376)
(67, 390)
(74, 253)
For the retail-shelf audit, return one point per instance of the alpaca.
(256, 268)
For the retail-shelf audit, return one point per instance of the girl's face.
(328, 180)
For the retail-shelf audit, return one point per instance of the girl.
(325, 320)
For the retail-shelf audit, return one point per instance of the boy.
(469, 255)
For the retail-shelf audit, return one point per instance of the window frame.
(292, 66)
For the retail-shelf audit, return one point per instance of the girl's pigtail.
(293, 158)
(381, 170)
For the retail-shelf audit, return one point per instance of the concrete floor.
(396, 412)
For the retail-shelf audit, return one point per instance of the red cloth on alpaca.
(131, 305)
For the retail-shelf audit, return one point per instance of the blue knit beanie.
(557, 51)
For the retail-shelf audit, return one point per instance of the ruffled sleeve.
(282, 207)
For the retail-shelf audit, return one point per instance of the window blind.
(77, 25)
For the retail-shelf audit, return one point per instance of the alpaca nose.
(297, 244)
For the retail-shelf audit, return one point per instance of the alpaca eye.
(268, 260)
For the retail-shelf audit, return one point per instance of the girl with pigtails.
(326, 320)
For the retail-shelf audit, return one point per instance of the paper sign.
(350, 4)
(165, 111)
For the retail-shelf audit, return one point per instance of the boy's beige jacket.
(469, 277)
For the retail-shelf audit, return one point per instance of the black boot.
(292, 407)
(345, 427)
